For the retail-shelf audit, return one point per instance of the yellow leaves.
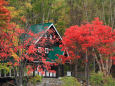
(28, 5)
(15, 40)
(11, 8)
(51, 20)
(14, 13)
(15, 56)
(5, 67)
(46, 21)
(17, 12)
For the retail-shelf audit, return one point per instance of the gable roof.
(37, 28)
(40, 27)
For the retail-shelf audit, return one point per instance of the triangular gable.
(37, 28)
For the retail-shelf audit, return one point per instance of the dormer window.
(46, 50)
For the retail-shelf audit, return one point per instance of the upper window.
(39, 49)
(46, 50)
(50, 36)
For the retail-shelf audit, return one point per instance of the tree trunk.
(87, 70)
(72, 69)
(43, 17)
(85, 9)
(21, 74)
(103, 12)
(75, 70)
(104, 67)
(16, 77)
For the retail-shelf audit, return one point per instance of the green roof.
(36, 28)
(39, 27)
(52, 55)
(56, 50)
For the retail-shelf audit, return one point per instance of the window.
(46, 50)
(39, 49)
(50, 36)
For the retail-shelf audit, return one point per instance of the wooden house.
(51, 50)
(47, 31)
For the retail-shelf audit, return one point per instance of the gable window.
(39, 49)
(46, 50)
(50, 36)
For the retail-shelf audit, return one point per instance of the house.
(51, 48)
(49, 32)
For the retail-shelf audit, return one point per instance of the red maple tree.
(95, 39)
(19, 44)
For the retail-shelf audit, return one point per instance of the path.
(50, 82)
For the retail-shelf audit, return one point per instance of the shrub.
(70, 81)
(35, 79)
(97, 79)
(109, 81)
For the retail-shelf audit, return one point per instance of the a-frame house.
(49, 31)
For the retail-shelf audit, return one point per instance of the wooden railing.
(11, 73)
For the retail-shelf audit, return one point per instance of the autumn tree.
(4, 22)
(18, 46)
(91, 40)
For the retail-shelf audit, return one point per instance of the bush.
(70, 81)
(35, 79)
(109, 81)
(97, 79)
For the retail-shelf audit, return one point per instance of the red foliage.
(23, 19)
(25, 48)
(4, 13)
(92, 35)
(31, 49)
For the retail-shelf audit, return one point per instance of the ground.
(49, 82)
